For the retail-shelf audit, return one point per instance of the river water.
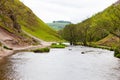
(61, 64)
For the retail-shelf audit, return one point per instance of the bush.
(41, 50)
(60, 45)
(54, 43)
(117, 53)
(7, 48)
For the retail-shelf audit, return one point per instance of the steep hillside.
(16, 18)
(105, 23)
(109, 20)
(110, 41)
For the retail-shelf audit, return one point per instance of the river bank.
(5, 52)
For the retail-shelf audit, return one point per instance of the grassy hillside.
(109, 22)
(28, 22)
(110, 40)
(102, 25)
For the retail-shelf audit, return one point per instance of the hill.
(16, 20)
(109, 21)
(104, 27)
(58, 25)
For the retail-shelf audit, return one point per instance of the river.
(61, 64)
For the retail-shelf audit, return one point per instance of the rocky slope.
(17, 23)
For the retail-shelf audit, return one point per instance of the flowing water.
(61, 64)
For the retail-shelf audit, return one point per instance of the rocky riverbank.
(4, 52)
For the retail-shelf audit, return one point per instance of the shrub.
(41, 50)
(54, 43)
(7, 48)
(117, 53)
(60, 45)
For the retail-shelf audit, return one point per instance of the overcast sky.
(70, 10)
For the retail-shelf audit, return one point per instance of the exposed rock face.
(10, 30)
(14, 20)
(10, 39)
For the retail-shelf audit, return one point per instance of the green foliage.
(102, 47)
(5, 47)
(117, 52)
(109, 20)
(78, 33)
(60, 45)
(42, 50)
(69, 33)
(97, 27)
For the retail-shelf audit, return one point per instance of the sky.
(68, 10)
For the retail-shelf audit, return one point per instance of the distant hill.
(58, 25)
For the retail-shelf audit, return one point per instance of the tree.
(109, 21)
(69, 33)
(2, 2)
(82, 31)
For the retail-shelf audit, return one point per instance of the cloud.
(75, 10)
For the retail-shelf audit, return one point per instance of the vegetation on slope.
(26, 20)
(42, 50)
(103, 29)
(110, 40)
(58, 45)
(100, 25)
(10, 29)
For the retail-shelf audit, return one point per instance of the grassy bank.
(41, 50)
(102, 47)
(117, 52)
(58, 45)
(115, 49)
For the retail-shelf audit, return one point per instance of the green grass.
(117, 52)
(41, 50)
(94, 45)
(41, 34)
(110, 41)
(40, 30)
(60, 45)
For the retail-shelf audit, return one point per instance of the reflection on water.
(62, 64)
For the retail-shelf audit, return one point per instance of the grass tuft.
(41, 50)
(59, 45)
(5, 47)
